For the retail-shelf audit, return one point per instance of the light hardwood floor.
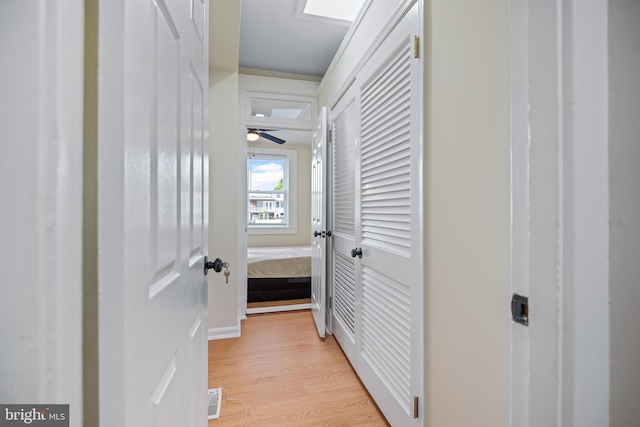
(288, 377)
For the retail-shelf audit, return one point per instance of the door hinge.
(416, 47)
(416, 412)
(331, 303)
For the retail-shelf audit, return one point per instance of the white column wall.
(224, 203)
(467, 213)
(226, 235)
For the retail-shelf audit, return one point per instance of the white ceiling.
(275, 37)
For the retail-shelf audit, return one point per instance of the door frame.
(274, 88)
(559, 213)
(43, 225)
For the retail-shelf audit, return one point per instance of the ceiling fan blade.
(262, 130)
(272, 138)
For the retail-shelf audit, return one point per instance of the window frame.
(289, 187)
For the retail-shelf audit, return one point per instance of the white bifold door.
(319, 223)
(152, 213)
(376, 257)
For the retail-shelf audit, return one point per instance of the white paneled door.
(377, 203)
(319, 224)
(152, 213)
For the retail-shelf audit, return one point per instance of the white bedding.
(260, 254)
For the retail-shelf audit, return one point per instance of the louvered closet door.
(390, 202)
(343, 274)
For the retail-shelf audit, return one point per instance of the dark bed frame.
(278, 289)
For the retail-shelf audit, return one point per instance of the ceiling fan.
(254, 134)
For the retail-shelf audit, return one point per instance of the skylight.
(344, 10)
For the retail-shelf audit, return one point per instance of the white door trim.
(559, 229)
(586, 214)
(41, 169)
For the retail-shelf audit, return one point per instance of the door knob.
(356, 252)
(316, 233)
(216, 265)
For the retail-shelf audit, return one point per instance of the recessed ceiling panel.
(345, 10)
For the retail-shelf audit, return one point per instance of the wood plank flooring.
(288, 377)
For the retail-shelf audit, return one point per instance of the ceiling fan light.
(252, 136)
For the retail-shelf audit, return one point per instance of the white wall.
(467, 213)
(224, 161)
(624, 175)
(223, 200)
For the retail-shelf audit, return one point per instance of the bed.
(278, 273)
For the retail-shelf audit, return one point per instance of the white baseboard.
(224, 333)
(278, 308)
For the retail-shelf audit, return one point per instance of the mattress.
(277, 274)
(279, 262)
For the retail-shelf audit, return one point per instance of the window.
(271, 191)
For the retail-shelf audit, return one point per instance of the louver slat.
(386, 332)
(344, 298)
(386, 155)
(344, 176)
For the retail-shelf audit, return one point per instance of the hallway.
(287, 377)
